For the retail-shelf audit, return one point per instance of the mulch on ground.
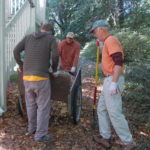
(67, 135)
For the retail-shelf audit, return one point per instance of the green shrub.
(137, 89)
(13, 77)
(137, 92)
(136, 45)
(89, 50)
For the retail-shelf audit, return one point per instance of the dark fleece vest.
(39, 48)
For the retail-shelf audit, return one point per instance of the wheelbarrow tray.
(60, 86)
(64, 87)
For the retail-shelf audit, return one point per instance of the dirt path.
(67, 135)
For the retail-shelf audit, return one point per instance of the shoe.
(1, 120)
(46, 138)
(130, 146)
(106, 143)
(30, 133)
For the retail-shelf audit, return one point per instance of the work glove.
(113, 89)
(20, 69)
(16, 68)
(73, 69)
(56, 74)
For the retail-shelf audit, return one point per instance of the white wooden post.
(32, 19)
(2, 57)
(15, 6)
(11, 5)
(19, 4)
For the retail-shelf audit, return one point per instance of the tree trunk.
(121, 13)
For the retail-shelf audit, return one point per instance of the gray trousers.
(109, 111)
(37, 94)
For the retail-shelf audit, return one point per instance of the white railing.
(16, 5)
(21, 24)
(20, 21)
(2, 59)
(12, 7)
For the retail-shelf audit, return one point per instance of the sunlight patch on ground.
(88, 80)
(2, 135)
(2, 148)
(143, 133)
(88, 90)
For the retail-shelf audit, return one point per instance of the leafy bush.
(13, 77)
(138, 82)
(89, 50)
(137, 92)
(135, 44)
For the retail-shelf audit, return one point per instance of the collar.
(107, 37)
(69, 43)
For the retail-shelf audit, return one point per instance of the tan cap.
(70, 35)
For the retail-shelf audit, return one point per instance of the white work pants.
(109, 110)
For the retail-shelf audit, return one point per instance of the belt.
(105, 76)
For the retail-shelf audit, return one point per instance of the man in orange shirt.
(110, 103)
(69, 51)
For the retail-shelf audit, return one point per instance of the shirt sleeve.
(59, 48)
(54, 53)
(118, 58)
(75, 61)
(17, 50)
(113, 45)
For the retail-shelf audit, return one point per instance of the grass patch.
(14, 77)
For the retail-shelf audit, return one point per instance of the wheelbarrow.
(64, 87)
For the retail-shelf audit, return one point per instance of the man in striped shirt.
(38, 48)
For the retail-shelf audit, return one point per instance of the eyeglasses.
(94, 32)
(97, 29)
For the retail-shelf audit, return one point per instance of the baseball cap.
(70, 35)
(99, 23)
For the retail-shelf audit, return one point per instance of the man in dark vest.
(39, 47)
